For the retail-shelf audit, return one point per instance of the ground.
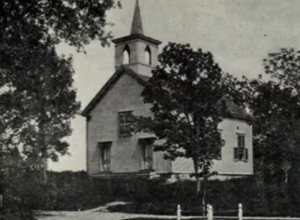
(99, 213)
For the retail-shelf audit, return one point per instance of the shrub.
(76, 190)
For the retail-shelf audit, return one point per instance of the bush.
(156, 197)
(76, 190)
(71, 191)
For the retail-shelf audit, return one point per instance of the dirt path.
(96, 216)
(100, 213)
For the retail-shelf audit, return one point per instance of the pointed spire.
(137, 26)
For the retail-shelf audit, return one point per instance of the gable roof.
(109, 84)
(234, 111)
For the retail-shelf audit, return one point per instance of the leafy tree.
(275, 105)
(187, 91)
(74, 21)
(41, 102)
(37, 97)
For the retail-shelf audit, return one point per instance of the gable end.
(107, 86)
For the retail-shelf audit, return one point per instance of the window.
(147, 154)
(126, 55)
(104, 149)
(241, 140)
(148, 60)
(240, 152)
(125, 122)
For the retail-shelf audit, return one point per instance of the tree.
(187, 92)
(74, 21)
(41, 103)
(37, 98)
(37, 95)
(275, 106)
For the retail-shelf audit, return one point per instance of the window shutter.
(235, 153)
(150, 151)
(243, 141)
(150, 156)
(246, 154)
(108, 157)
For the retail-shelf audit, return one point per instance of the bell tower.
(136, 51)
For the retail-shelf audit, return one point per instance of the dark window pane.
(122, 118)
(122, 130)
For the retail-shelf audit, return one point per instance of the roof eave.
(240, 117)
(137, 36)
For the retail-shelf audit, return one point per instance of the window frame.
(124, 126)
(149, 52)
(105, 156)
(146, 148)
(241, 151)
(126, 50)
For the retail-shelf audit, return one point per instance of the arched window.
(148, 60)
(126, 55)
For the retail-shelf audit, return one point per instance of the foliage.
(187, 92)
(77, 191)
(74, 21)
(275, 105)
(156, 197)
(37, 96)
(41, 102)
(21, 188)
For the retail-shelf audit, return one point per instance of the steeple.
(137, 25)
(136, 51)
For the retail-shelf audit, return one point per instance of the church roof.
(234, 111)
(137, 24)
(135, 36)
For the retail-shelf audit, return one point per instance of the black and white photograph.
(149, 110)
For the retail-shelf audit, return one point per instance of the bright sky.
(239, 34)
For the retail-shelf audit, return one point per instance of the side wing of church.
(113, 151)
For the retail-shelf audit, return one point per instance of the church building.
(113, 152)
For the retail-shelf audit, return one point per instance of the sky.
(239, 34)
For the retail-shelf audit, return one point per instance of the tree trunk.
(198, 187)
(1, 174)
(198, 180)
(43, 150)
(44, 170)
